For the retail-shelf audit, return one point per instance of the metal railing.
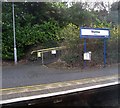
(40, 53)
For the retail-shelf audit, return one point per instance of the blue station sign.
(94, 32)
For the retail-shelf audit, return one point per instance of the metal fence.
(74, 55)
(48, 55)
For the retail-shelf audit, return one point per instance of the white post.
(42, 59)
(15, 50)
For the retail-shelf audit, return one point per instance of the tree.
(79, 14)
(114, 13)
(35, 24)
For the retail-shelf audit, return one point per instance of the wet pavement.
(34, 74)
(74, 87)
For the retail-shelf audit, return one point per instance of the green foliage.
(70, 38)
(36, 24)
(69, 34)
(115, 33)
(101, 24)
(44, 34)
(113, 45)
(74, 53)
(27, 34)
(79, 15)
(52, 24)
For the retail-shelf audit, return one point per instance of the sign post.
(85, 51)
(101, 33)
(104, 51)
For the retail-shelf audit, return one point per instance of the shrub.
(74, 53)
(27, 36)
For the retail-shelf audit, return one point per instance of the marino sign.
(85, 33)
(94, 32)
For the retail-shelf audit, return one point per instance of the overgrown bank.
(44, 25)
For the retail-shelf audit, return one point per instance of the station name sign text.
(94, 33)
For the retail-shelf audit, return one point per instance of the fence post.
(42, 59)
(84, 51)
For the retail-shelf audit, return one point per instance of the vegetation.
(33, 27)
(53, 24)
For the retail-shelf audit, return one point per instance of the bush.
(113, 46)
(69, 34)
(70, 38)
(74, 54)
(27, 36)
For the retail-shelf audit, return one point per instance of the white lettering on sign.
(93, 32)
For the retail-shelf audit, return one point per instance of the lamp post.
(15, 50)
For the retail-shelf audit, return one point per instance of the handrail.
(49, 49)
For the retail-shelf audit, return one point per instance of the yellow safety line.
(6, 89)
